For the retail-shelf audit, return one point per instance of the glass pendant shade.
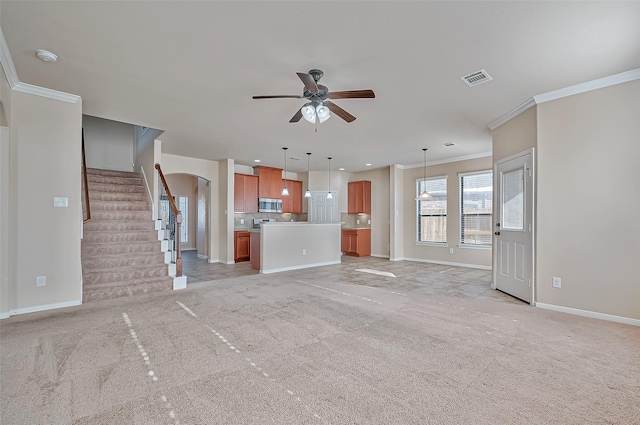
(307, 194)
(329, 195)
(323, 113)
(424, 194)
(312, 110)
(285, 191)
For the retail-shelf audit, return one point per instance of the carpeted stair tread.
(123, 274)
(117, 196)
(123, 259)
(119, 205)
(108, 188)
(120, 215)
(108, 248)
(135, 287)
(104, 236)
(94, 178)
(111, 173)
(98, 225)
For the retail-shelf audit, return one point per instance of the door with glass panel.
(513, 231)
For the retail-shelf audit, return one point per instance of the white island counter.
(291, 246)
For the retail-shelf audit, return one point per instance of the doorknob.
(497, 233)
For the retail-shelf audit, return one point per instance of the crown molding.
(600, 83)
(446, 161)
(7, 62)
(513, 113)
(15, 84)
(611, 80)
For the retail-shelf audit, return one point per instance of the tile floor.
(427, 278)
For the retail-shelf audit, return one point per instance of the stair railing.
(171, 220)
(86, 207)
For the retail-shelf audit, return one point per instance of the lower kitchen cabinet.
(356, 242)
(242, 244)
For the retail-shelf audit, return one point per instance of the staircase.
(121, 253)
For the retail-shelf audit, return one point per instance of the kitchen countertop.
(355, 228)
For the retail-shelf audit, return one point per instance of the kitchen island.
(290, 246)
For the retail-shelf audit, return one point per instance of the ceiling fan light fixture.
(323, 113)
(309, 113)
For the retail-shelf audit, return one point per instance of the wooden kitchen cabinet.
(359, 197)
(356, 242)
(242, 245)
(245, 193)
(292, 203)
(269, 182)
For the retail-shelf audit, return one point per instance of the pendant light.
(329, 195)
(307, 194)
(285, 191)
(424, 194)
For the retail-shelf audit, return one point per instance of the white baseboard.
(445, 263)
(304, 266)
(591, 314)
(213, 260)
(203, 257)
(380, 256)
(231, 262)
(37, 308)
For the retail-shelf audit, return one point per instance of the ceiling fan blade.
(339, 111)
(352, 94)
(278, 96)
(297, 116)
(308, 81)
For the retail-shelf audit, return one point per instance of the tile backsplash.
(351, 220)
(248, 218)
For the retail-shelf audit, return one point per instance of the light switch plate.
(556, 282)
(60, 202)
(41, 281)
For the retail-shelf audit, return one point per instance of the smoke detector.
(448, 144)
(46, 55)
(476, 78)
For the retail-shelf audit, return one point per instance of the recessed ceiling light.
(46, 55)
(448, 144)
(368, 165)
(256, 160)
(341, 169)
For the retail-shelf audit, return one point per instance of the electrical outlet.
(304, 251)
(41, 281)
(357, 221)
(60, 202)
(242, 221)
(368, 221)
(450, 250)
(556, 282)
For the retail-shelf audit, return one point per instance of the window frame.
(461, 243)
(419, 216)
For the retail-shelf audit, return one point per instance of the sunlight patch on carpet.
(378, 272)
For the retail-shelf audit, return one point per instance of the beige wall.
(515, 136)
(588, 231)
(209, 170)
(472, 257)
(109, 145)
(186, 185)
(45, 158)
(5, 101)
(380, 193)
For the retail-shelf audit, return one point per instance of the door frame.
(496, 209)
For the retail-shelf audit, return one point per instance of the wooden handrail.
(178, 215)
(86, 182)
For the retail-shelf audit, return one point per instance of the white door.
(323, 210)
(513, 231)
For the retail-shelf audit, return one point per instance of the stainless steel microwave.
(269, 205)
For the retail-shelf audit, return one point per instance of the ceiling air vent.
(476, 78)
(448, 144)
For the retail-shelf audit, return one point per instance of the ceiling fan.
(319, 107)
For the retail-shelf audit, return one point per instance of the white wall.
(203, 202)
(109, 145)
(282, 245)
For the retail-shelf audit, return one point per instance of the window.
(183, 206)
(432, 212)
(476, 191)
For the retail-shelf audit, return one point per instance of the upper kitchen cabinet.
(293, 203)
(245, 194)
(359, 196)
(269, 182)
